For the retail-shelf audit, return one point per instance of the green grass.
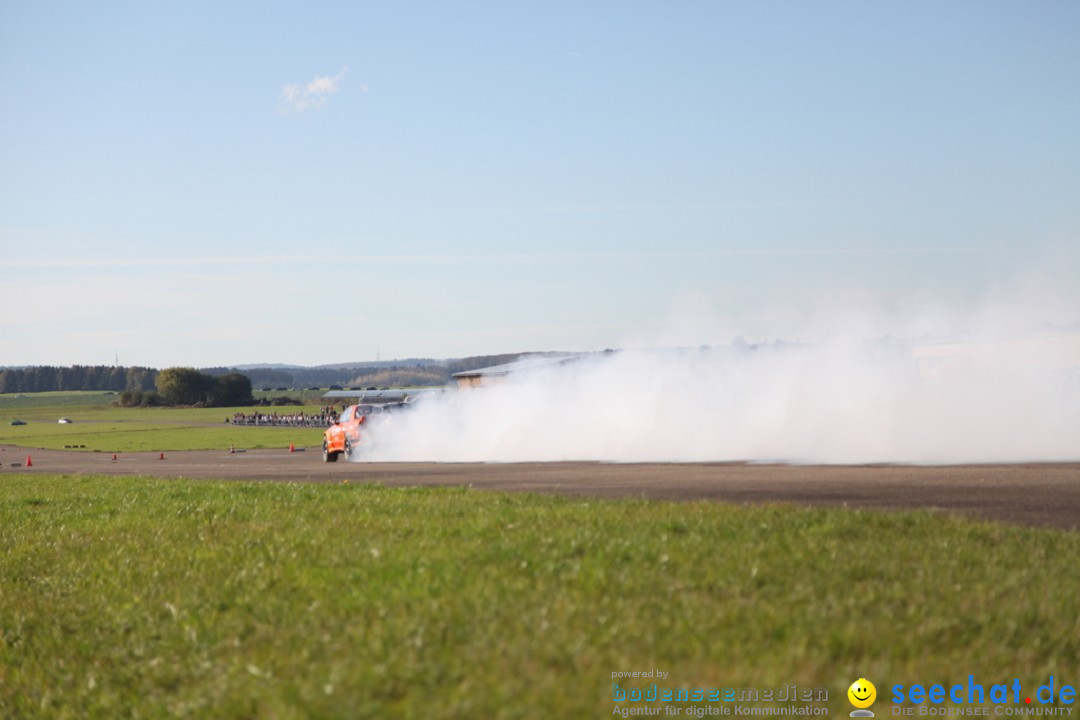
(142, 437)
(150, 598)
(116, 429)
(21, 402)
(49, 412)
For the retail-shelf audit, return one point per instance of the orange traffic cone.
(114, 457)
(161, 456)
(292, 448)
(29, 462)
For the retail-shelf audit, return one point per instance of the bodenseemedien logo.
(862, 695)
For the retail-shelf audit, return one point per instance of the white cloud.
(298, 98)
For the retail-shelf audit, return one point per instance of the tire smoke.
(994, 382)
(836, 402)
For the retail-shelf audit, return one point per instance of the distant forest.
(410, 373)
(46, 378)
(406, 373)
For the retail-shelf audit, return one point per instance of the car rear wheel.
(328, 456)
(348, 449)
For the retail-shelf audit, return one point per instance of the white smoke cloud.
(300, 98)
(1007, 391)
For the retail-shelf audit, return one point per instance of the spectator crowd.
(326, 417)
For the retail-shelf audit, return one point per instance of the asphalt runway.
(1028, 494)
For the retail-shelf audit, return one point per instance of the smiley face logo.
(862, 693)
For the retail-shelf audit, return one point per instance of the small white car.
(64, 421)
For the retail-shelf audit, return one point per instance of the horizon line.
(235, 260)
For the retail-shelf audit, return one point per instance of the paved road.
(1031, 494)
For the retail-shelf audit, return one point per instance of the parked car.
(64, 421)
(18, 422)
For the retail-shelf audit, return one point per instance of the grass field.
(137, 436)
(124, 597)
(99, 426)
(24, 401)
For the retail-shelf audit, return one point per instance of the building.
(497, 374)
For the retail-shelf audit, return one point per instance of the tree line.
(47, 378)
(136, 385)
(188, 386)
(409, 373)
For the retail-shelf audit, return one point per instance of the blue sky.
(221, 183)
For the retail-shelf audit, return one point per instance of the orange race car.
(344, 435)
